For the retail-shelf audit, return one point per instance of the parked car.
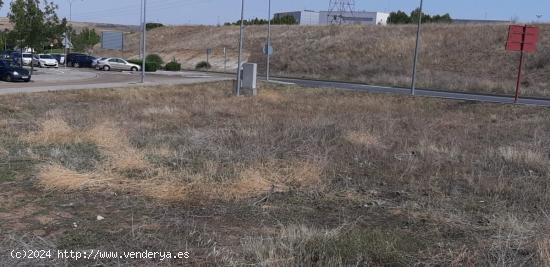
(11, 72)
(60, 58)
(27, 58)
(45, 61)
(82, 61)
(94, 63)
(7, 54)
(71, 56)
(116, 64)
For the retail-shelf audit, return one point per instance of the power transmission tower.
(340, 10)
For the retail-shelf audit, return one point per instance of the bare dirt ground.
(291, 177)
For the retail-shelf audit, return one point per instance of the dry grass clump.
(169, 191)
(544, 251)
(115, 144)
(111, 141)
(54, 131)
(57, 177)
(363, 138)
(523, 156)
(123, 158)
(299, 245)
(250, 182)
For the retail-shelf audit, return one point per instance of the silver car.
(96, 61)
(114, 63)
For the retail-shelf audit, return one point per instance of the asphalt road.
(61, 79)
(419, 92)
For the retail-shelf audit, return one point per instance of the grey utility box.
(250, 74)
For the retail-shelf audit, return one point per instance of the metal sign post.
(268, 36)
(239, 81)
(518, 82)
(144, 40)
(208, 52)
(523, 39)
(224, 59)
(413, 85)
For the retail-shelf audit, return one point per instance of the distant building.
(309, 17)
(305, 17)
(358, 17)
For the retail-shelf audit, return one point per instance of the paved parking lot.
(73, 79)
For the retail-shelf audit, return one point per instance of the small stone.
(100, 218)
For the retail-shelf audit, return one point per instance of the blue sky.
(212, 11)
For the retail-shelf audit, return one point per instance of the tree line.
(401, 17)
(283, 20)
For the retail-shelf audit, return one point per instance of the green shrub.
(203, 65)
(173, 66)
(149, 66)
(155, 59)
(153, 25)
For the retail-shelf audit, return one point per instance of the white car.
(45, 61)
(114, 63)
(27, 58)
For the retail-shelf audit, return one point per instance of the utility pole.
(268, 46)
(144, 40)
(67, 34)
(413, 85)
(239, 82)
(141, 37)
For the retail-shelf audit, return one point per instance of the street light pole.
(239, 82)
(141, 37)
(413, 85)
(268, 38)
(144, 40)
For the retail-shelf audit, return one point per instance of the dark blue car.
(11, 72)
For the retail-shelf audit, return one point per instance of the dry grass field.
(453, 57)
(293, 177)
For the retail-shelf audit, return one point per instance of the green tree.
(85, 40)
(285, 20)
(445, 18)
(153, 25)
(415, 14)
(35, 23)
(399, 17)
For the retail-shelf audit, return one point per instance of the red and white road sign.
(522, 38)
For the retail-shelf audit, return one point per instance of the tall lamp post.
(141, 37)
(239, 82)
(268, 46)
(413, 85)
(67, 34)
(144, 40)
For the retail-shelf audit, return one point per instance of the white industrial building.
(305, 17)
(308, 17)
